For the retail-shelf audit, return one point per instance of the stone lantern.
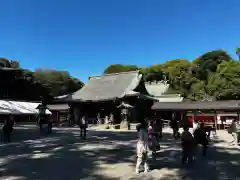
(125, 110)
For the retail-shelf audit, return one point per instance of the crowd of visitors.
(150, 134)
(149, 137)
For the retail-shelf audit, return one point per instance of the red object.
(202, 118)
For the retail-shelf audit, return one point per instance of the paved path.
(109, 156)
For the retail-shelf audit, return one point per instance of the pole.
(215, 121)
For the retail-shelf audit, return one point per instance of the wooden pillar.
(57, 114)
(181, 122)
(194, 116)
(238, 115)
(215, 120)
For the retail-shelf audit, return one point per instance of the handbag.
(153, 144)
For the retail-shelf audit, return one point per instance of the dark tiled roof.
(58, 107)
(108, 87)
(197, 105)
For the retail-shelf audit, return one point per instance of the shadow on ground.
(105, 155)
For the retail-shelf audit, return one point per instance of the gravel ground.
(108, 155)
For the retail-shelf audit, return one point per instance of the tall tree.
(21, 84)
(153, 73)
(208, 62)
(178, 75)
(225, 83)
(57, 82)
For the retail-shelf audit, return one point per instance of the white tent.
(19, 108)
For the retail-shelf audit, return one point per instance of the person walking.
(160, 126)
(187, 143)
(50, 125)
(233, 130)
(142, 147)
(153, 141)
(83, 127)
(8, 128)
(238, 132)
(175, 126)
(200, 137)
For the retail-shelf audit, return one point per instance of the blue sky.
(85, 36)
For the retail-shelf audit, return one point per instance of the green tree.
(207, 63)
(57, 82)
(153, 73)
(22, 84)
(179, 78)
(225, 83)
(117, 68)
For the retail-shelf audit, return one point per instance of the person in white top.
(195, 126)
(142, 147)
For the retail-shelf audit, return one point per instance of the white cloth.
(195, 126)
(83, 120)
(142, 144)
(150, 129)
(142, 150)
(235, 138)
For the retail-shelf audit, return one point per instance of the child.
(187, 145)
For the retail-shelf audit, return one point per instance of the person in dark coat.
(83, 127)
(238, 131)
(160, 127)
(187, 142)
(8, 128)
(50, 125)
(175, 126)
(200, 136)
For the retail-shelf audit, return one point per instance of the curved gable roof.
(108, 86)
(157, 89)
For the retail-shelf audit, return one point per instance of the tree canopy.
(117, 68)
(214, 75)
(22, 84)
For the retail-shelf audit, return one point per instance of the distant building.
(60, 113)
(22, 111)
(217, 114)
